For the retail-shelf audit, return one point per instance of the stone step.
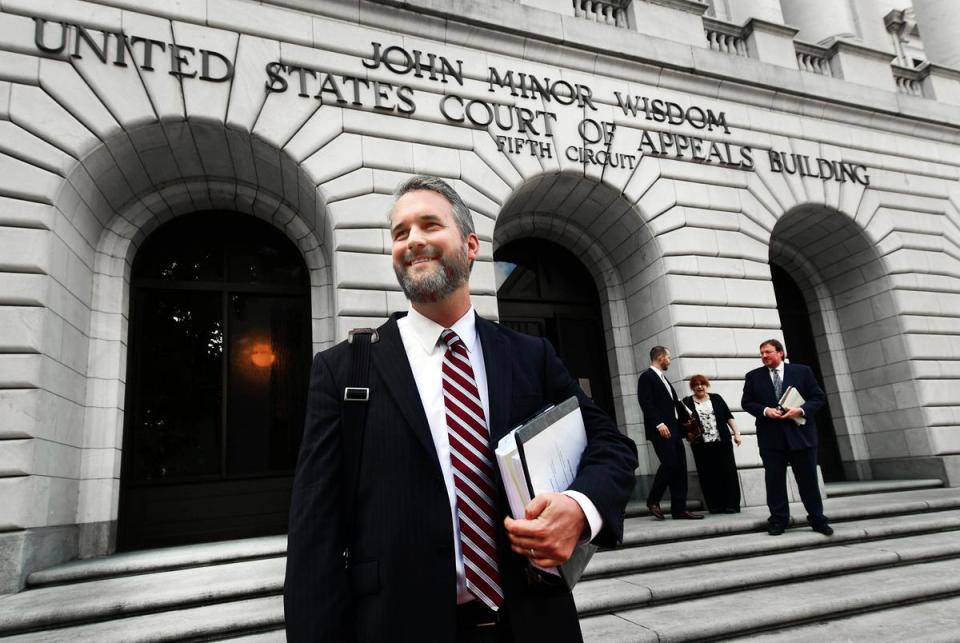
(737, 613)
(830, 558)
(935, 621)
(167, 558)
(646, 530)
(860, 488)
(144, 595)
(273, 636)
(204, 622)
(106, 598)
(758, 543)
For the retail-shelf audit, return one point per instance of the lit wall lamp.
(262, 355)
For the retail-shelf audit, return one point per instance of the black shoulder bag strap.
(353, 419)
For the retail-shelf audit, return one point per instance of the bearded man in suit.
(661, 411)
(432, 555)
(781, 439)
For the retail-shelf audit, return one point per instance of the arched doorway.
(544, 290)
(217, 377)
(802, 349)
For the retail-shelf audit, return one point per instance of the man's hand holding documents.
(538, 461)
(552, 529)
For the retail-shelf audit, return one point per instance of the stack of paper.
(791, 399)
(542, 456)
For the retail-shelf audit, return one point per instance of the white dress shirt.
(666, 385)
(421, 341)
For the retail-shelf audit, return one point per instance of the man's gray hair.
(461, 214)
(657, 352)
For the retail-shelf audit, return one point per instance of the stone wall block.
(26, 249)
(99, 500)
(164, 89)
(266, 21)
(211, 141)
(16, 457)
(31, 412)
(76, 11)
(204, 100)
(362, 270)
(361, 303)
(107, 359)
(282, 115)
(21, 144)
(248, 91)
(26, 181)
(103, 427)
(321, 128)
(336, 159)
(266, 159)
(156, 156)
(365, 211)
(368, 240)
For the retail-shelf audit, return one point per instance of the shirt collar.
(428, 331)
(656, 370)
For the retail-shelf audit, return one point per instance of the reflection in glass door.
(217, 377)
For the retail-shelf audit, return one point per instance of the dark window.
(544, 290)
(217, 377)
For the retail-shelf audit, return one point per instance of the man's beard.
(453, 271)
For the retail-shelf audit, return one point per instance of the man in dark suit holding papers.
(432, 555)
(782, 440)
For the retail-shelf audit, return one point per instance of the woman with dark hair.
(713, 451)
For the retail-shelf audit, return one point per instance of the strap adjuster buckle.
(356, 394)
(374, 335)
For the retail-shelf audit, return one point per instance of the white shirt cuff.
(589, 510)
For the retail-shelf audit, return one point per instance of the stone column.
(937, 21)
(820, 20)
(868, 16)
(739, 11)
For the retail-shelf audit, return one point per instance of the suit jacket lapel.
(496, 360)
(787, 377)
(390, 359)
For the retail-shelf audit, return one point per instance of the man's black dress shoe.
(824, 529)
(775, 530)
(686, 515)
(656, 511)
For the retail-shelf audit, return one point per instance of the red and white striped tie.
(472, 472)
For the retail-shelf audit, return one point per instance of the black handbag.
(690, 423)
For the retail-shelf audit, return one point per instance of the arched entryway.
(798, 336)
(841, 299)
(545, 291)
(217, 376)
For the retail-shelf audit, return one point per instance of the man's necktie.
(472, 465)
(777, 384)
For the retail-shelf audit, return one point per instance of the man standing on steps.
(659, 403)
(425, 552)
(781, 440)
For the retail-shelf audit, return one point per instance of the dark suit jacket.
(758, 394)
(720, 411)
(401, 585)
(658, 406)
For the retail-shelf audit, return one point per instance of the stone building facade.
(683, 152)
